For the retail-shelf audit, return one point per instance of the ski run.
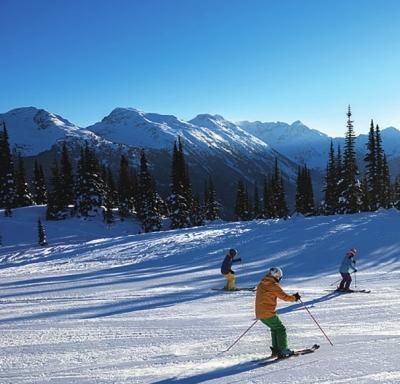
(105, 305)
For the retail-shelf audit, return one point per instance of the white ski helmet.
(275, 272)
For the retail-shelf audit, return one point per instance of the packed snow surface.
(108, 305)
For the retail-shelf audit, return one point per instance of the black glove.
(239, 259)
(297, 296)
(355, 270)
(231, 272)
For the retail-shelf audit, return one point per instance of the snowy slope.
(32, 131)
(98, 308)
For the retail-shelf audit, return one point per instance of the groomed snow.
(101, 305)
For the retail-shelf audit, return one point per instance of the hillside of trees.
(93, 189)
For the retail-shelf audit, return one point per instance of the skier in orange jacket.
(268, 291)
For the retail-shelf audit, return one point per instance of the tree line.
(345, 191)
(93, 189)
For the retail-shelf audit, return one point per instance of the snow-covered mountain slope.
(32, 131)
(309, 146)
(101, 308)
(205, 135)
(296, 141)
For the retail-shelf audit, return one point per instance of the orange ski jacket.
(266, 297)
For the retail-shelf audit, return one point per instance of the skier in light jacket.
(268, 291)
(346, 268)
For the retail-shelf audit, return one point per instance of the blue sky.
(246, 60)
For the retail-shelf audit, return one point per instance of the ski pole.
(355, 279)
(316, 322)
(247, 330)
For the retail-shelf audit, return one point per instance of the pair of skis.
(297, 352)
(251, 289)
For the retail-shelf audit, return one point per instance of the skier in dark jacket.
(348, 265)
(226, 269)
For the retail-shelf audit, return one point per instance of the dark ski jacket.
(226, 266)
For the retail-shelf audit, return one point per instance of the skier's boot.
(285, 354)
(274, 352)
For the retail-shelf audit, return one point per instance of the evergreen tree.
(350, 200)
(280, 209)
(39, 185)
(386, 198)
(304, 192)
(41, 234)
(371, 192)
(330, 203)
(396, 193)
(126, 189)
(198, 216)
(180, 200)
(56, 209)
(211, 205)
(90, 191)
(268, 211)
(147, 199)
(23, 196)
(7, 180)
(240, 205)
(258, 212)
(66, 177)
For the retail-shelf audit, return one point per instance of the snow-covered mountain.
(213, 146)
(309, 146)
(296, 141)
(205, 135)
(33, 131)
(103, 305)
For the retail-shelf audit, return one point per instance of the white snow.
(108, 305)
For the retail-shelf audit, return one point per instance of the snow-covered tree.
(147, 199)
(126, 188)
(90, 187)
(22, 195)
(350, 199)
(39, 188)
(7, 180)
(180, 199)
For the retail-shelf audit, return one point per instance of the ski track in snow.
(139, 308)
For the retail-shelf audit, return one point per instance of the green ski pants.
(278, 333)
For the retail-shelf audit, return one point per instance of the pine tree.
(304, 192)
(330, 203)
(90, 192)
(258, 214)
(41, 234)
(241, 202)
(211, 205)
(23, 196)
(350, 200)
(147, 199)
(66, 177)
(55, 207)
(197, 217)
(39, 192)
(280, 209)
(7, 180)
(386, 199)
(126, 189)
(180, 200)
(371, 193)
(268, 211)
